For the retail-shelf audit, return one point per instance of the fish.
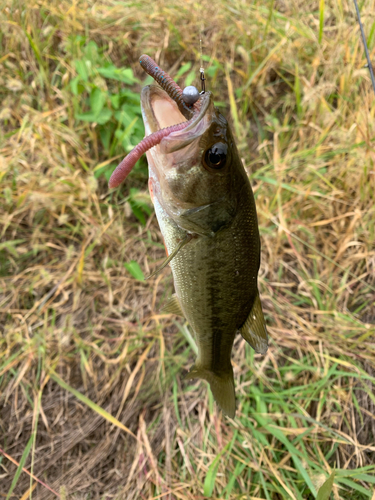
(206, 211)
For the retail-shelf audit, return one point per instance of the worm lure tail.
(166, 83)
(175, 93)
(125, 167)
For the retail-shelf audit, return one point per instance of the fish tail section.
(222, 387)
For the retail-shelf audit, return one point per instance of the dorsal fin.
(254, 329)
(173, 306)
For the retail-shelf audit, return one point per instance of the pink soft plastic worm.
(166, 83)
(123, 169)
(174, 91)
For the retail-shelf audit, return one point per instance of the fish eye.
(216, 156)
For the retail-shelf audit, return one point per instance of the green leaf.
(184, 68)
(91, 51)
(139, 206)
(25, 454)
(190, 78)
(121, 135)
(129, 95)
(81, 69)
(105, 136)
(127, 114)
(135, 270)
(121, 75)
(115, 100)
(137, 212)
(86, 117)
(109, 172)
(74, 85)
(106, 170)
(104, 116)
(97, 100)
(326, 488)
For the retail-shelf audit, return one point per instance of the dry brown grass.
(69, 310)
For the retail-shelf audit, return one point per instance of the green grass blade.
(98, 409)
(135, 270)
(326, 488)
(355, 486)
(292, 450)
(321, 20)
(209, 482)
(25, 454)
(188, 336)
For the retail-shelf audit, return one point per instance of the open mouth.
(160, 112)
(166, 116)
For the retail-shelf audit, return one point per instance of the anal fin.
(173, 306)
(254, 329)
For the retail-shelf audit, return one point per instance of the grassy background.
(92, 397)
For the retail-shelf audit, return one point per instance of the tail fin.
(222, 387)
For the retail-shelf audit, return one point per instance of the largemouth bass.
(206, 211)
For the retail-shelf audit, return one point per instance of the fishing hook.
(203, 81)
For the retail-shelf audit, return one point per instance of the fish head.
(195, 173)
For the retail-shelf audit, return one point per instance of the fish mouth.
(160, 111)
(169, 122)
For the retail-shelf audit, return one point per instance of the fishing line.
(365, 45)
(201, 69)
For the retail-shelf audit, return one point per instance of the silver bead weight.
(190, 95)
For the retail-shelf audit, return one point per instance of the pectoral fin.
(207, 220)
(182, 243)
(254, 329)
(173, 306)
(222, 387)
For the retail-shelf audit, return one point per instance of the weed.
(92, 397)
